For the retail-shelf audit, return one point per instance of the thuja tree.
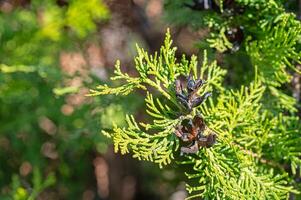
(255, 152)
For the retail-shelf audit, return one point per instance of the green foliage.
(287, 129)
(33, 90)
(21, 193)
(45, 27)
(271, 38)
(248, 133)
(80, 15)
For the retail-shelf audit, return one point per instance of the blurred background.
(51, 53)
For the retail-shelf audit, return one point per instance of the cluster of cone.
(193, 131)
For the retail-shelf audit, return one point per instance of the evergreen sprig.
(239, 166)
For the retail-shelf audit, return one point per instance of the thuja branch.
(217, 131)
